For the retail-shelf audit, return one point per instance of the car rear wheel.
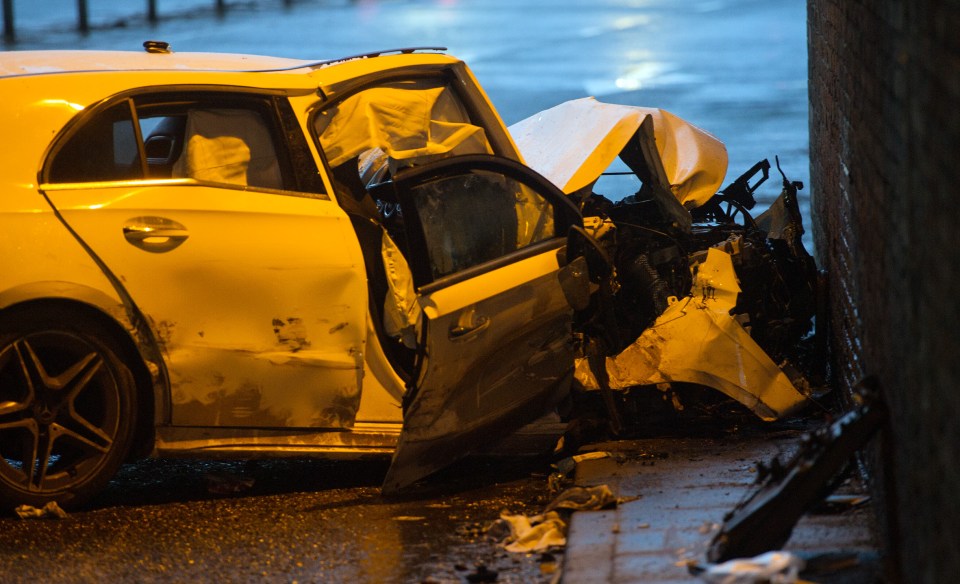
(66, 410)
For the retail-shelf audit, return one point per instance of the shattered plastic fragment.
(833, 563)
(536, 533)
(557, 482)
(49, 511)
(771, 567)
(569, 464)
(584, 499)
(541, 532)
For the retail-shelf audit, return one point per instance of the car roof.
(28, 63)
(17, 63)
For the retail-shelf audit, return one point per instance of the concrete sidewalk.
(683, 488)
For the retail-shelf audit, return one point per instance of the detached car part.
(787, 490)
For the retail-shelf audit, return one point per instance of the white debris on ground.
(522, 533)
(771, 567)
(49, 511)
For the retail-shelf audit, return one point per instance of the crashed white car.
(229, 255)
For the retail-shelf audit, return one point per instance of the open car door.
(484, 237)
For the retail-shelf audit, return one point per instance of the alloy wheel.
(60, 411)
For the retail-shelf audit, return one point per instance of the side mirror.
(575, 283)
(582, 244)
(585, 263)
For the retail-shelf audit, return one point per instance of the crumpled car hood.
(573, 143)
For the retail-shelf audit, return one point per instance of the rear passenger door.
(207, 208)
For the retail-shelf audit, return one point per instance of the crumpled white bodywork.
(573, 143)
(695, 340)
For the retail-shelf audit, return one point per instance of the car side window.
(226, 140)
(104, 149)
(472, 218)
(218, 145)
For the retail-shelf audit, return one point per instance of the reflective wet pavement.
(299, 521)
(680, 488)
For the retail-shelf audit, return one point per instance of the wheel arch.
(112, 316)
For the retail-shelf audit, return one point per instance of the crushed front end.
(698, 293)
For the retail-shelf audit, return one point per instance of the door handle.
(154, 234)
(468, 326)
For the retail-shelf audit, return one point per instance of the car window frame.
(565, 215)
(484, 117)
(504, 152)
(297, 163)
(332, 95)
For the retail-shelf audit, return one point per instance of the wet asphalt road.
(300, 521)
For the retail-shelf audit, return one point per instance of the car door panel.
(259, 308)
(497, 351)
(490, 382)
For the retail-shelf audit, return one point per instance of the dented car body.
(229, 255)
(699, 292)
(232, 255)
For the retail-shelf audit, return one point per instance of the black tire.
(67, 408)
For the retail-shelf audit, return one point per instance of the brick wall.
(885, 170)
